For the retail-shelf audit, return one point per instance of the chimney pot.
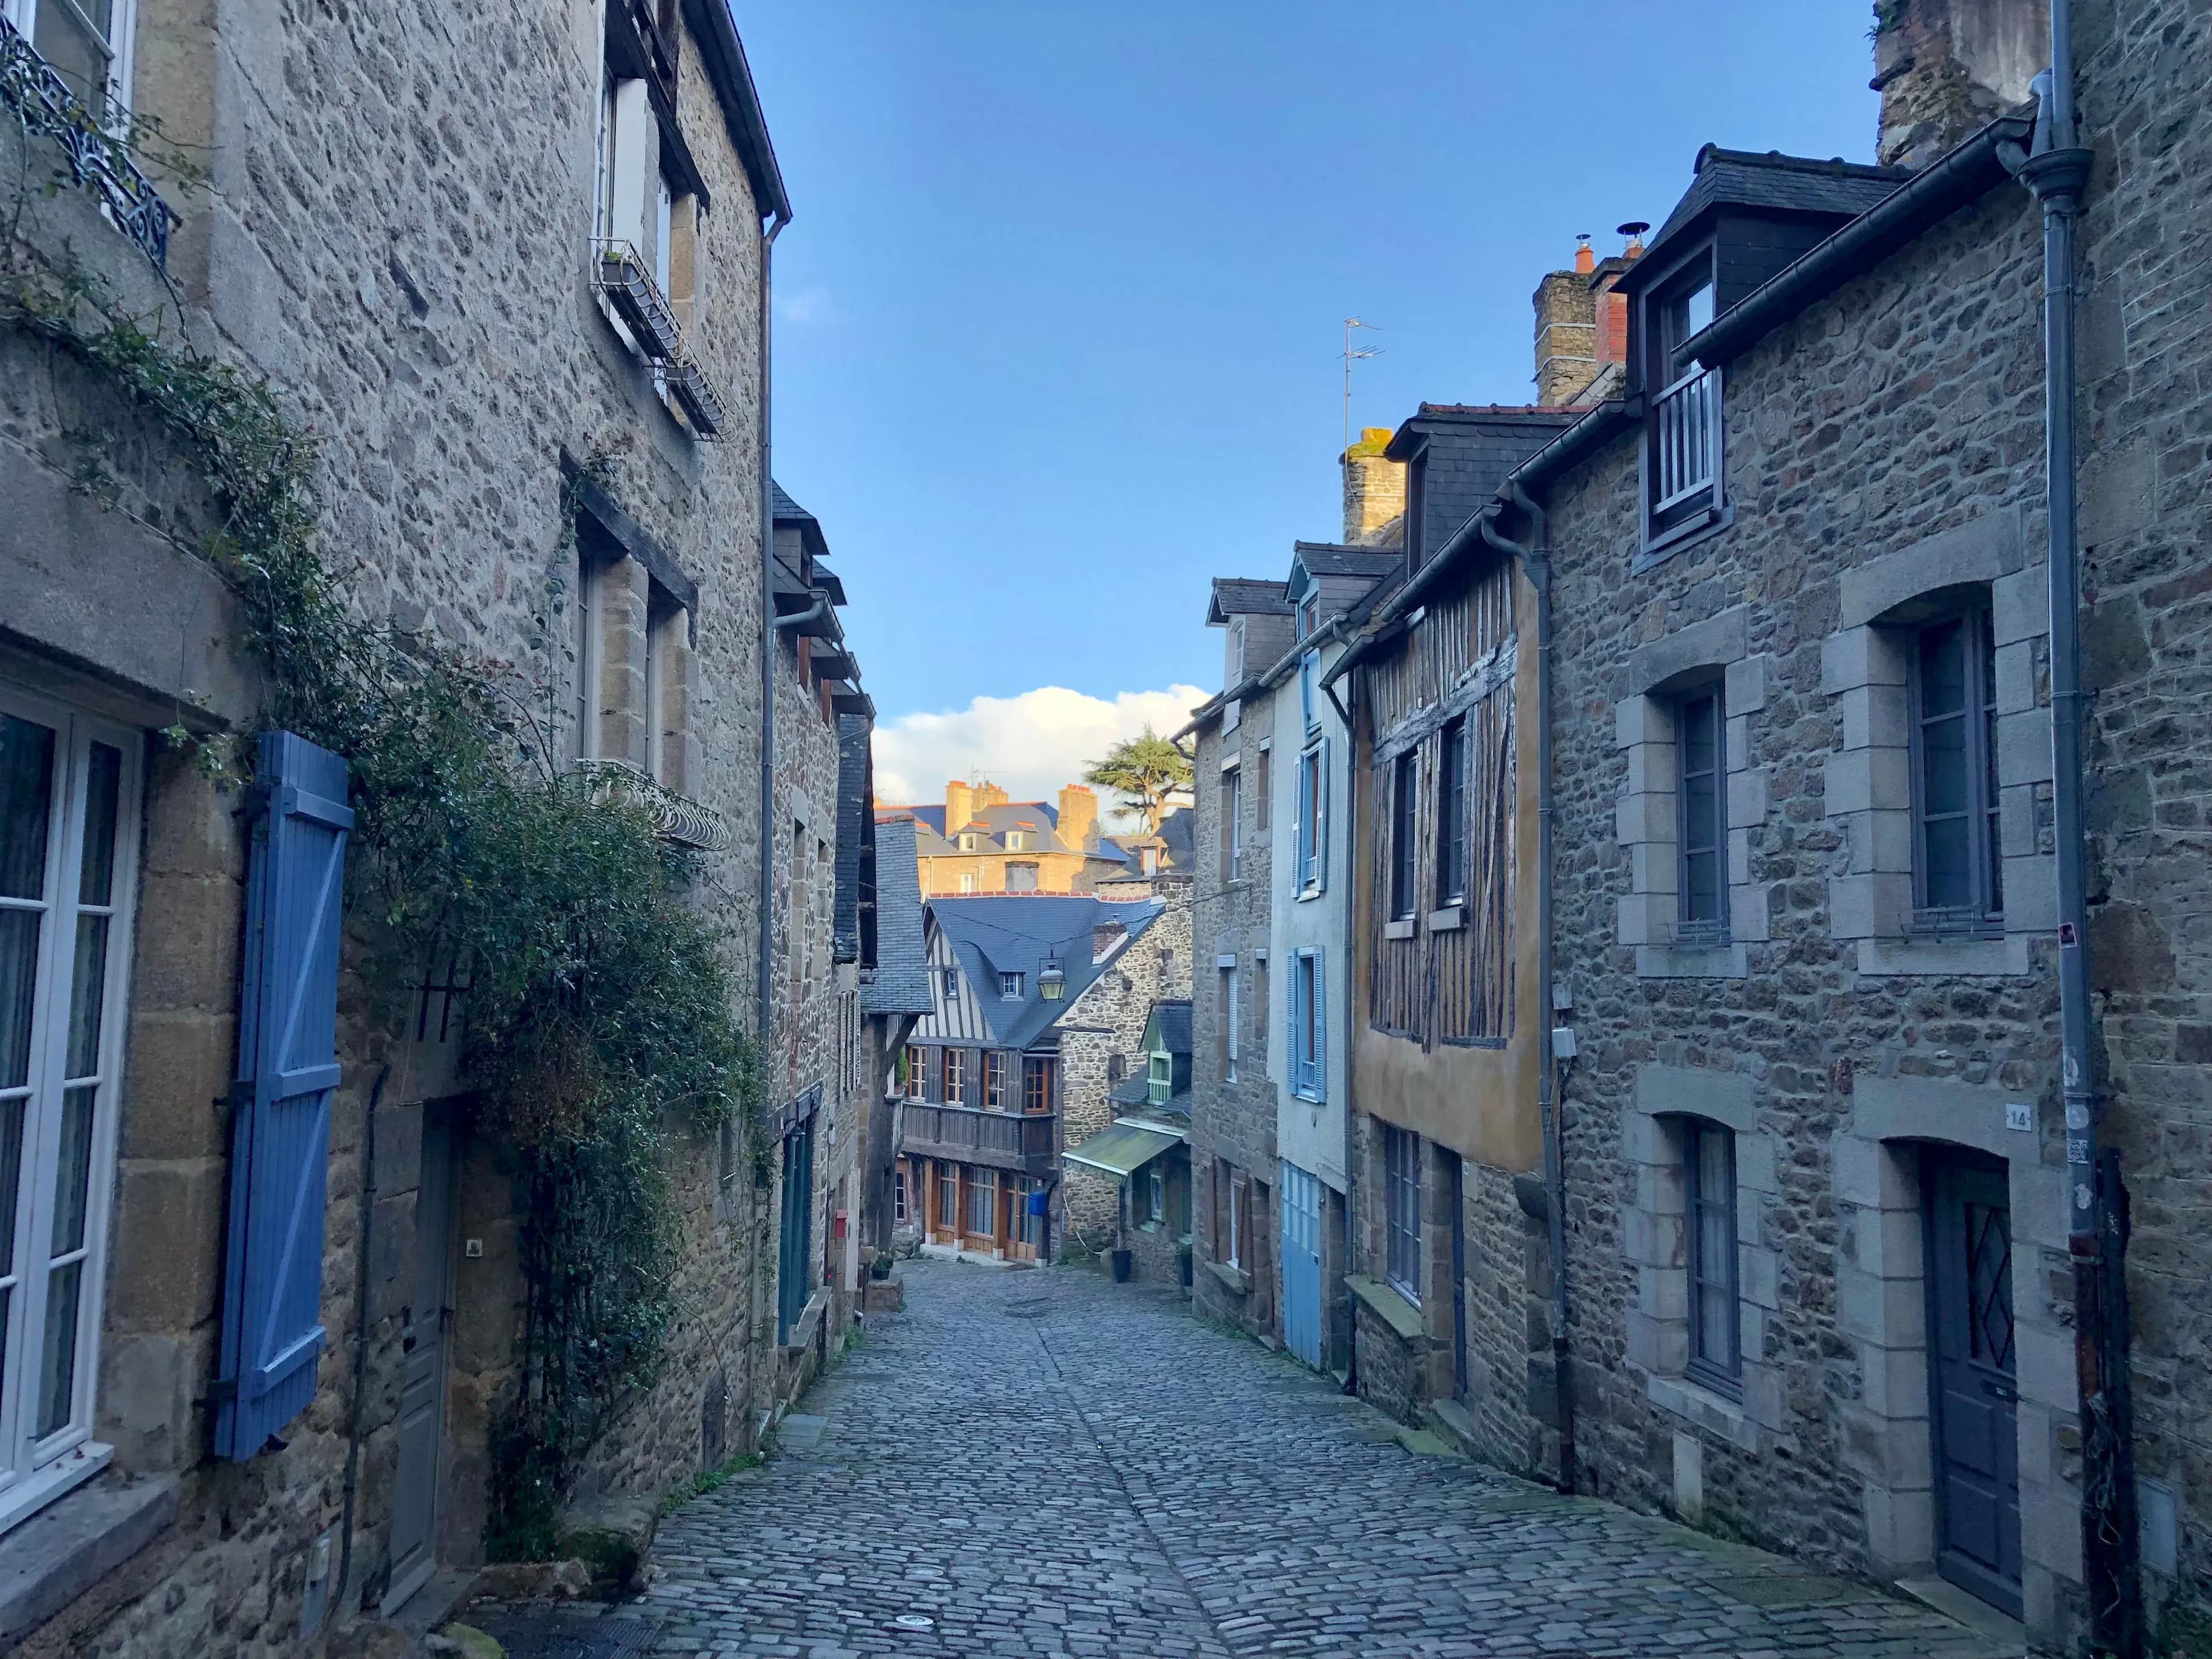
(1585, 260)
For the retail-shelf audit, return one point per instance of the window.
(948, 1196)
(1010, 985)
(982, 1204)
(1156, 1194)
(1262, 787)
(1031, 1224)
(1015, 841)
(1260, 1003)
(1236, 653)
(67, 804)
(1159, 1078)
(591, 581)
(87, 44)
(1308, 1027)
(1451, 816)
(967, 881)
(1401, 1205)
(1036, 1082)
(995, 1081)
(1685, 420)
(1232, 834)
(1117, 1067)
(1021, 877)
(1309, 616)
(898, 1195)
(951, 982)
(664, 713)
(1230, 1016)
(1313, 819)
(1700, 729)
(1958, 870)
(1310, 691)
(967, 840)
(913, 1067)
(1404, 790)
(955, 1077)
(1709, 1221)
(1232, 1214)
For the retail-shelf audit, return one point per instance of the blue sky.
(1059, 312)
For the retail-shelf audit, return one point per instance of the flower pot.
(1123, 1264)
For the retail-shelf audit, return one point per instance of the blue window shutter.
(1320, 834)
(272, 1331)
(1305, 841)
(1320, 1031)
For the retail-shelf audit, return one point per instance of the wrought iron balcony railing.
(43, 101)
(676, 818)
(1689, 437)
(688, 384)
(624, 279)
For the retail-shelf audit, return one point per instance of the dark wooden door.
(1973, 1398)
(422, 1376)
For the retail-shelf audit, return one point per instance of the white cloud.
(808, 305)
(1030, 745)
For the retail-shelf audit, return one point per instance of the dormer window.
(1010, 985)
(967, 840)
(1682, 458)
(1016, 841)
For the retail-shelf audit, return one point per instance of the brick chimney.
(1079, 816)
(989, 794)
(959, 806)
(1945, 67)
(1374, 492)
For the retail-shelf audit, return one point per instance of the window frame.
(1402, 1211)
(1453, 851)
(948, 1197)
(1263, 785)
(915, 1085)
(36, 1467)
(114, 113)
(1983, 915)
(1156, 1196)
(898, 1196)
(954, 1075)
(982, 1194)
(1010, 985)
(1405, 848)
(1696, 271)
(1688, 928)
(1230, 1012)
(1232, 831)
(995, 1080)
(1037, 1079)
(1723, 1373)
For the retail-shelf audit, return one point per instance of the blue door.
(1302, 1264)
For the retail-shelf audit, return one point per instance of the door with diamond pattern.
(1973, 1396)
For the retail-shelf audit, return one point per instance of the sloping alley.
(1044, 1464)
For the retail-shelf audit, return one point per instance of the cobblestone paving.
(1045, 1464)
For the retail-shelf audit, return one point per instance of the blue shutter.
(272, 1332)
(1320, 1030)
(1291, 1029)
(1306, 841)
(1321, 830)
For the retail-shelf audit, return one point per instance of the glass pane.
(1943, 670)
(1943, 765)
(1698, 735)
(1950, 883)
(103, 790)
(26, 772)
(11, 1181)
(1716, 1181)
(19, 978)
(72, 1180)
(79, 58)
(1701, 887)
(1715, 1312)
(57, 1370)
(88, 991)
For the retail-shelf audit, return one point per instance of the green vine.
(600, 1000)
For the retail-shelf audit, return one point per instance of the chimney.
(1374, 492)
(1078, 817)
(959, 806)
(1567, 355)
(990, 795)
(1945, 67)
(1104, 938)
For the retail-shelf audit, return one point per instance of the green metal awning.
(1123, 1149)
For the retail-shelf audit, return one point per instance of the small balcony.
(677, 819)
(1024, 1142)
(626, 280)
(1689, 437)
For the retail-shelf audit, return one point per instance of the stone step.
(1450, 1420)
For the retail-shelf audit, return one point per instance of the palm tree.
(1148, 769)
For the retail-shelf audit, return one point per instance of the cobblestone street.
(1059, 1466)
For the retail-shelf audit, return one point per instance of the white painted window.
(1010, 985)
(87, 43)
(69, 793)
(968, 881)
(1016, 841)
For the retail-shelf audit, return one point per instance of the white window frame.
(1229, 1017)
(1156, 1194)
(122, 33)
(35, 1469)
(1010, 986)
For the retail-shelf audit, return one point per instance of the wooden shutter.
(272, 1332)
(1320, 1014)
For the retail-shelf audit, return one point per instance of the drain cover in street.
(548, 1635)
(1788, 1590)
(914, 1621)
(1035, 1308)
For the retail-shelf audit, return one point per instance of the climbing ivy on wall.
(600, 1002)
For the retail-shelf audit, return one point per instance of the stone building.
(1144, 1152)
(981, 842)
(1803, 898)
(1039, 1002)
(541, 443)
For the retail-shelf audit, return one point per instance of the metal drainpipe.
(1533, 558)
(764, 965)
(2057, 171)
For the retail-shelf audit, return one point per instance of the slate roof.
(1179, 829)
(785, 510)
(1173, 1019)
(1334, 559)
(1777, 183)
(1245, 595)
(1019, 934)
(902, 983)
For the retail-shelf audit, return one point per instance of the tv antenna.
(1352, 356)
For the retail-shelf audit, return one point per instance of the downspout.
(1535, 559)
(352, 1490)
(2057, 170)
(764, 967)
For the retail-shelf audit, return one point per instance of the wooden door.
(1973, 1397)
(423, 1373)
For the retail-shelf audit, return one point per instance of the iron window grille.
(49, 107)
(1701, 816)
(1957, 859)
(1401, 1206)
(1451, 818)
(1715, 1355)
